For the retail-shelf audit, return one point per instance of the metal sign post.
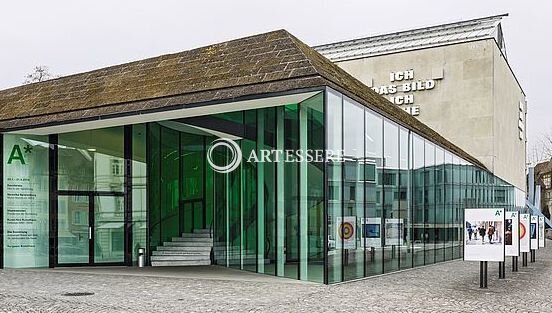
(514, 264)
(483, 274)
(524, 260)
(501, 270)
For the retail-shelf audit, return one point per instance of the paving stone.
(443, 287)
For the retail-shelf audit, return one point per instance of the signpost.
(490, 246)
(534, 235)
(541, 232)
(512, 238)
(524, 237)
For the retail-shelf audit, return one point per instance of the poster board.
(371, 232)
(541, 232)
(489, 245)
(524, 237)
(533, 232)
(393, 231)
(346, 232)
(511, 233)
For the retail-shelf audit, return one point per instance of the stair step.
(202, 231)
(180, 258)
(193, 239)
(188, 244)
(182, 252)
(184, 248)
(196, 235)
(180, 263)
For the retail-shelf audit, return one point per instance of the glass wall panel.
(291, 193)
(353, 189)
(440, 226)
(334, 138)
(418, 209)
(73, 230)
(448, 206)
(373, 226)
(393, 225)
(109, 233)
(429, 203)
(91, 160)
(405, 190)
(312, 119)
(26, 194)
(139, 192)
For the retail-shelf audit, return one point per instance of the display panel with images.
(484, 235)
(524, 240)
(511, 233)
(541, 232)
(533, 232)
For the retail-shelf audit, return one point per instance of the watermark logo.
(234, 156)
(234, 159)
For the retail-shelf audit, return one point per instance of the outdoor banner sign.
(533, 232)
(346, 232)
(524, 237)
(393, 231)
(511, 233)
(371, 232)
(541, 231)
(488, 244)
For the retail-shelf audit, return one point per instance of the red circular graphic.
(522, 231)
(347, 230)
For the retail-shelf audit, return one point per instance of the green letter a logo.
(16, 155)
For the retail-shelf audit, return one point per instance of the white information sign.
(524, 237)
(489, 225)
(393, 231)
(541, 231)
(533, 232)
(511, 234)
(346, 232)
(371, 232)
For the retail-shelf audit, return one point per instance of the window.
(116, 167)
(546, 180)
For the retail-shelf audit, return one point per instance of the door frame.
(91, 223)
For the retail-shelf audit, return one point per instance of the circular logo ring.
(235, 152)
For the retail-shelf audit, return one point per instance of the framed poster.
(371, 232)
(393, 231)
(511, 233)
(541, 232)
(524, 237)
(489, 225)
(533, 232)
(346, 232)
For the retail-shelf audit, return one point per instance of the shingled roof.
(256, 65)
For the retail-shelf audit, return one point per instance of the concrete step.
(194, 239)
(187, 244)
(180, 263)
(196, 235)
(180, 258)
(183, 248)
(202, 231)
(182, 252)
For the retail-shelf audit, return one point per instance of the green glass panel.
(73, 229)
(108, 229)
(139, 192)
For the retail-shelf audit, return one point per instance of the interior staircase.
(191, 249)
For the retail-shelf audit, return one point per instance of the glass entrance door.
(74, 233)
(109, 234)
(90, 229)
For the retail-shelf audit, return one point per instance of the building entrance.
(90, 228)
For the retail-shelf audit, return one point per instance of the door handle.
(90, 233)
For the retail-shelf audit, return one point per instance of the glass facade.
(377, 199)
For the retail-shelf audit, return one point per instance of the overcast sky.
(74, 36)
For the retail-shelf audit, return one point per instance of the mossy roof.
(262, 64)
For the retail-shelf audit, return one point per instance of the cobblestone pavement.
(445, 287)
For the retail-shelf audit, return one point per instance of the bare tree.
(40, 74)
(542, 149)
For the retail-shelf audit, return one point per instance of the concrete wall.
(474, 104)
